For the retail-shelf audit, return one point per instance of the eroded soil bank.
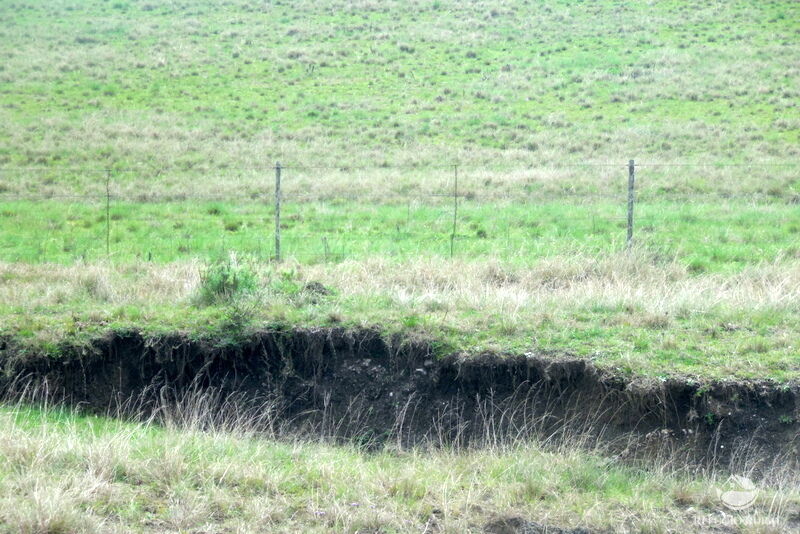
(359, 384)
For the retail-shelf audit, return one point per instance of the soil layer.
(360, 384)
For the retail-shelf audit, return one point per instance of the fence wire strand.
(598, 212)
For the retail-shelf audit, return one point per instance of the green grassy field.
(136, 174)
(722, 236)
(221, 85)
(179, 111)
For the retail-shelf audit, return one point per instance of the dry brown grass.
(619, 310)
(62, 473)
(623, 280)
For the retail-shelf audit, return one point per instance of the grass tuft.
(226, 280)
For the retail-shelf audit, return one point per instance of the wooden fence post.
(277, 211)
(108, 213)
(631, 191)
(455, 210)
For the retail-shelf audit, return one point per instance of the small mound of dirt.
(517, 525)
(316, 288)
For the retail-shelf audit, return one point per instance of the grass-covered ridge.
(629, 312)
(63, 472)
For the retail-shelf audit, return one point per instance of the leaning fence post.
(277, 211)
(631, 191)
(455, 209)
(108, 213)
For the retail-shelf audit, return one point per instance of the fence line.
(457, 195)
(396, 166)
(402, 199)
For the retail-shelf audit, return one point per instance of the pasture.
(454, 177)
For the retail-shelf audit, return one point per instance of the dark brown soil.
(517, 525)
(357, 384)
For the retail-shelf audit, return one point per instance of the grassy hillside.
(137, 162)
(230, 84)
(721, 236)
(174, 113)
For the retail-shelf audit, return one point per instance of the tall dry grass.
(194, 464)
(620, 309)
(638, 280)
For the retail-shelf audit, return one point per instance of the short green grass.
(225, 84)
(723, 236)
(64, 472)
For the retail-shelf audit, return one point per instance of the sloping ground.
(358, 384)
(184, 471)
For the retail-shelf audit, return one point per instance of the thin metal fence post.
(455, 210)
(108, 213)
(277, 211)
(631, 192)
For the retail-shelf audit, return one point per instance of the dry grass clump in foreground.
(569, 281)
(635, 312)
(62, 472)
(636, 280)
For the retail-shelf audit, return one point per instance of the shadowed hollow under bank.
(358, 384)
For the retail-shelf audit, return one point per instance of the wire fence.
(292, 212)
